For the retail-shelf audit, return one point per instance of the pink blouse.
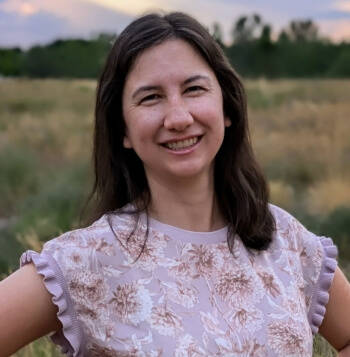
(185, 294)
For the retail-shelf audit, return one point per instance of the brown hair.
(240, 187)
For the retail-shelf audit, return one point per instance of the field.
(300, 133)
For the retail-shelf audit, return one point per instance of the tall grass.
(300, 132)
(40, 348)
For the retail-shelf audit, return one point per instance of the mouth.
(182, 144)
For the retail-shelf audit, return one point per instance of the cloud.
(342, 6)
(330, 15)
(21, 30)
(333, 15)
(24, 23)
(275, 12)
(80, 18)
(132, 7)
(18, 6)
(339, 29)
(28, 9)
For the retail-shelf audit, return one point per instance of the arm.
(26, 310)
(344, 352)
(335, 327)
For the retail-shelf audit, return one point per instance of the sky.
(25, 23)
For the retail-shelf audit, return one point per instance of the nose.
(177, 117)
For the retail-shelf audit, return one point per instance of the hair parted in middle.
(240, 187)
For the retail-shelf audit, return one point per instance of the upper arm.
(26, 310)
(335, 327)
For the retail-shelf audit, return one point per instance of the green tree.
(283, 37)
(265, 41)
(37, 63)
(11, 61)
(217, 33)
(73, 58)
(245, 28)
(302, 31)
(341, 66)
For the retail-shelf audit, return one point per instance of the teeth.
(182, 144)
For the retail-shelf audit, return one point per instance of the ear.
(127, 142)
(227, 122)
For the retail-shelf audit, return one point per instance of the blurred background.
(294, 59)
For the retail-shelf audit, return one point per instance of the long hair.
(240, 188)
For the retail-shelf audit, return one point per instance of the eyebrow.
(144, 89)
(187, 81)
(195, 78)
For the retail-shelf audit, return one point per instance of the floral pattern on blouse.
(168, 296)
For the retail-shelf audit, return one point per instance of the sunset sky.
(27, 22)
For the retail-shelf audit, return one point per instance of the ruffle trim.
(321, 297)
(70, 337)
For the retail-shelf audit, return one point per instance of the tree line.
(298, 51)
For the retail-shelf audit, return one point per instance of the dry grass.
(301, 135)
(325, 196)
(48, 116)
(282, 194)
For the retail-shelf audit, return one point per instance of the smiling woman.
(185, 256)
(173, 111)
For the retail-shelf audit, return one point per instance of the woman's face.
(173, 111)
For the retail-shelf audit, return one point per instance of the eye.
(194, 89)
(150, 98)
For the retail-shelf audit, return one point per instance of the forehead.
(170, 58)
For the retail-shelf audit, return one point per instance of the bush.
(56, 207)
(341, 68)
(337, 226)
(18, 177)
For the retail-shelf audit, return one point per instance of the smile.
(183, 144)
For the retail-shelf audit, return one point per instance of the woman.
(186, 257)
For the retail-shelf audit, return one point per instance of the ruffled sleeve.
(314, 264)
(321, 290)
(70, 338)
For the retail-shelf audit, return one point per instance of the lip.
(181, 139)
(184, 151)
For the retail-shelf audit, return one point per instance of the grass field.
(300, 133)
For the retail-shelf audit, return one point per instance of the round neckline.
(180, 234)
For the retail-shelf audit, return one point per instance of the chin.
(189, 172)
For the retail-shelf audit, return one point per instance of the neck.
(187, 204)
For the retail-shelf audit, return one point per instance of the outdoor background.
(294, 62)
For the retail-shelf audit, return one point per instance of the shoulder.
(281, 216)
(313, 252)
(308, 258)
(294, 238)
(83, 247)
(288, 227)
(99, 236)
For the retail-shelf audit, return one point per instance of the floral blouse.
(183, 293)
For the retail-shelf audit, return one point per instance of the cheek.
(209, 106)
(141, 132)
(211, 115)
